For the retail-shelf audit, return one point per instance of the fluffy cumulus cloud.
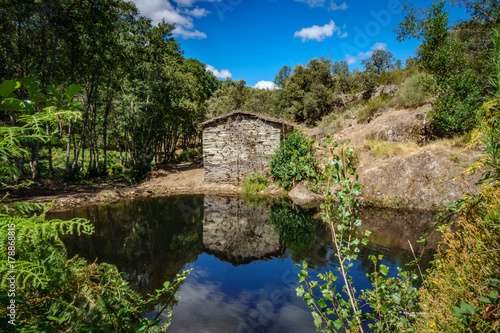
(220, 74)
(265, 85)
(320, 33)
(181, 14)
(363, 55)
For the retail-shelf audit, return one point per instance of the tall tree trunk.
(49, 146)
(35, 155)
(105, 139)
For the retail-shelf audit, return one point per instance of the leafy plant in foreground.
(54, 293)
(343, 220)
(391, 302)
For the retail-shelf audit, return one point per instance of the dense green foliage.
(294, 162)
(380, 62)
(456, 59)
(413, 93)
(461, 291)
(308, 93)
(140, 96)
(50, 291)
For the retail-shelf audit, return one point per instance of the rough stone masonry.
(238, 144)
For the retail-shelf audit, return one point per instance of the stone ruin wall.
(238, 146)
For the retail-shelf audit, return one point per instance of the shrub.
(254, 184)
(454, 110)
(294, 161)
(372, 106)
(413, 93)
(461, 292)
(186, 155)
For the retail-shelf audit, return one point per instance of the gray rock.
(301, 195)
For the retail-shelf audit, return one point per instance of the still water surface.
(243, 256)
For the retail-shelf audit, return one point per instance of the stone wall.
(237, 146)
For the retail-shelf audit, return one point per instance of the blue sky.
(253, 39)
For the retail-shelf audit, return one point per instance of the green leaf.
(338, 324)
(384, 270)
(54, 92)
(12, 104)
(7, 87)
(493, 295)
(317, 319)
(322, 303)
(484, 300)
(307, 297)
(467, 308)
(71, 91)
(356, 189)
(300, 291)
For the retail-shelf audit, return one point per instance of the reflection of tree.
(149, 240)
(294, 226)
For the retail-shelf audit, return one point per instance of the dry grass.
(373, 106)
(390, 149)
(334, 122)
(447, 143)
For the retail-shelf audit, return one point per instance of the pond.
(243, 256)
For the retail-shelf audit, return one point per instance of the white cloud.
(197, 12)
(363, 55)
(190, 3)
(188, 34)
(313, 3)
(220, 74)
(319, 33)
(158, 10)
(379, 46)
(265, 85)
(334, 6)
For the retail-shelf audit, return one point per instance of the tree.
(485, 11)
(308, 90)
(458, 72)
(341, 77)
(380, 61)
(282, 77)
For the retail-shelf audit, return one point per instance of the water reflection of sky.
(231, 288)
(257, 297)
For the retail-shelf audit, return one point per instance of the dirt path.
(184, 178)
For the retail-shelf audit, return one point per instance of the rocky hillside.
(400, 165)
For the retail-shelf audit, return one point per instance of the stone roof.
(244, 113)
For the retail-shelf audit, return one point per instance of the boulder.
(301, 195)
